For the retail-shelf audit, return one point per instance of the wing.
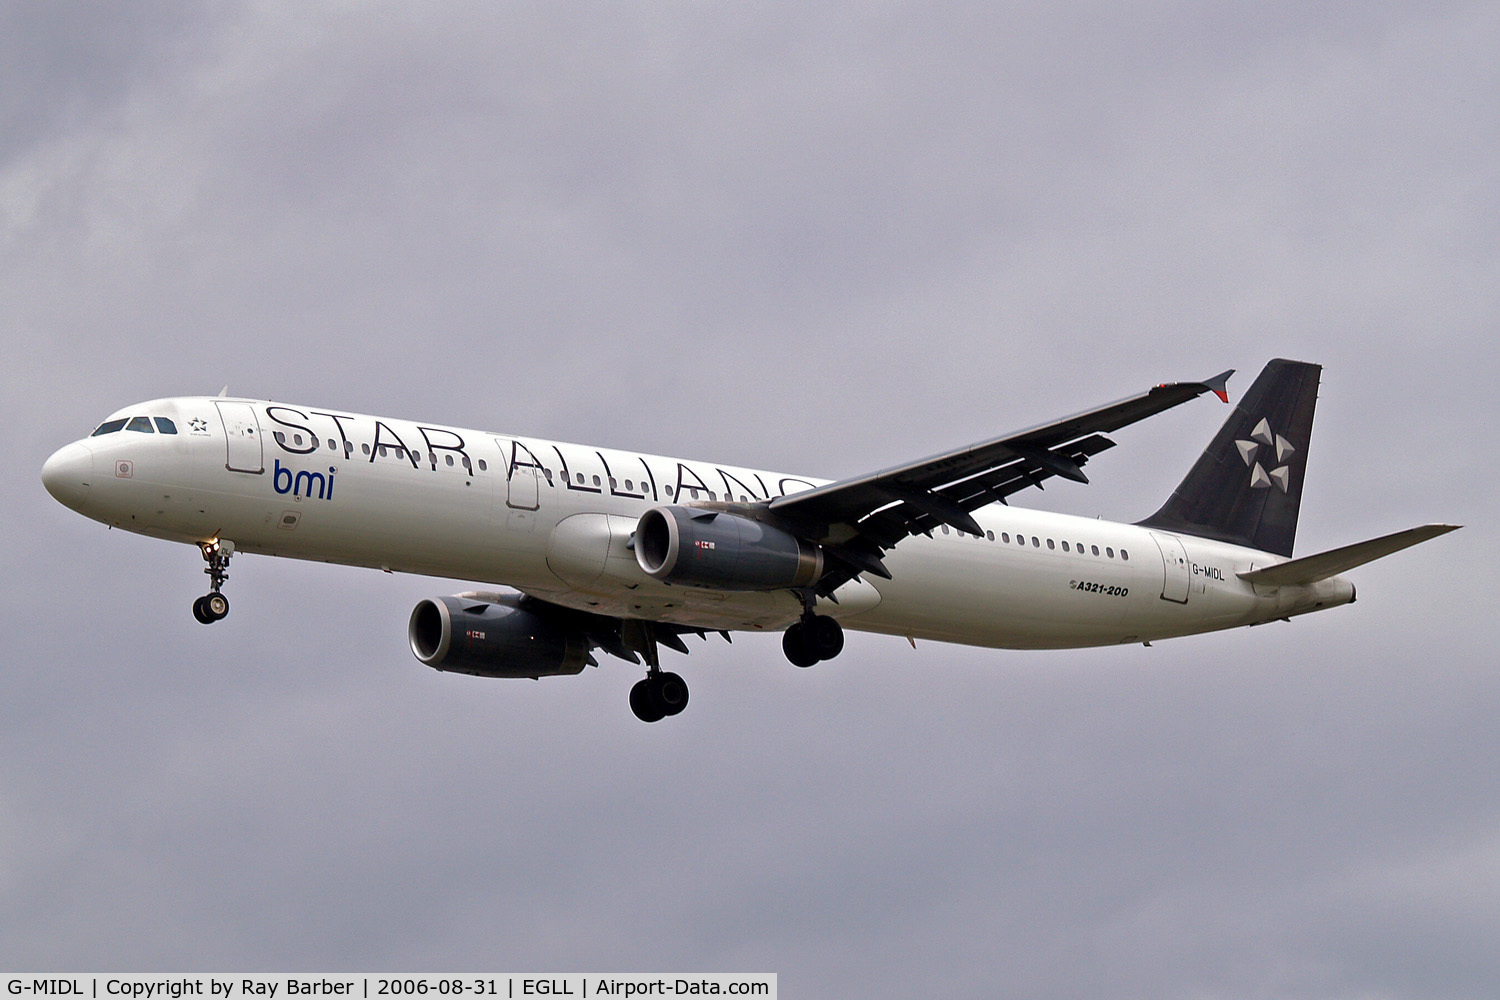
(857, 520)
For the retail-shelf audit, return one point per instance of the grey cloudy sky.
(818, 240)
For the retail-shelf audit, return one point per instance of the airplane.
(626, 553)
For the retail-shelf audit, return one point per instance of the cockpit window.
(109, 427)
(165, 426)
(140, 424)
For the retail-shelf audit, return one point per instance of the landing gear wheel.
(795, 644)
(210, 608)
(671, 693)
(826, 636)
(814, 638)
(644, 704)
(657, 696)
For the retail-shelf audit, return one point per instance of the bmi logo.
(302, 484)
(1263, 436)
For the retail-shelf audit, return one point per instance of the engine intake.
(494, 635)
(706, 548)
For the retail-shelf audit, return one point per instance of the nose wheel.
(210, 608)
(213, 606)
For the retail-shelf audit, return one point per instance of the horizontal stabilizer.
(1311, 569)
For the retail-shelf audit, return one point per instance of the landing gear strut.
(213, 605)
(815, 637)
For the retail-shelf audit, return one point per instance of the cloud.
(819, 240)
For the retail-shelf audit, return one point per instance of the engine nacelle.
(706, 548)
(494, 635)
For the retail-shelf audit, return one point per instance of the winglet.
(1219, 384)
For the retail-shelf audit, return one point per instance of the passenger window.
(1124, 555)
(165, 426)
(1095, 549)
(109, 427)
(140, 424)
(365, 448)
(596, 480)
(667, 490)
(332, 445)
(990, 535)
(945, 529)
(449, 460)
(628, 487)
(483, 466)
(467, 466)
(1065, 546)
(1109, 552)
(1051, 545)
(280, 437)
(1035, 542)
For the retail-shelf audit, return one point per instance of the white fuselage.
(555, 521)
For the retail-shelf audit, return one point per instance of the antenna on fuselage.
(224, 392)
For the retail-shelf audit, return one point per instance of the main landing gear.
(213, 605)
(814, 638)
(661, 694)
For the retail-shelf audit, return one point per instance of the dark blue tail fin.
(1247, 486)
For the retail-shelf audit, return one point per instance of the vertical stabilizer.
(1246, 488)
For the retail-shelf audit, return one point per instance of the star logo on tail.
(1263, 437)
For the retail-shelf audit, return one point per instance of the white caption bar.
(573, 985)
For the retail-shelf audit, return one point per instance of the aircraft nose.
(67, 474)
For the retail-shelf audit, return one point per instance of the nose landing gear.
(213, 605)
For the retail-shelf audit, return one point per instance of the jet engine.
(707, 548)
(494, 635)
